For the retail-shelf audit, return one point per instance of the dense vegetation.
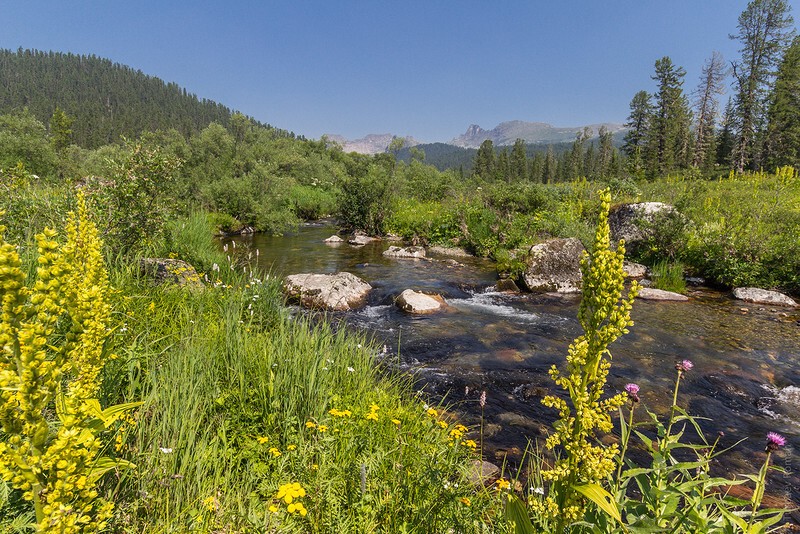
(221, 412)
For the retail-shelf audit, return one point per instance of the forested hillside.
(106, 100)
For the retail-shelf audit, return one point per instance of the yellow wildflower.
(291, 447)
(262, 439)
(465, 501)
(311, 424)
(503, 484)
(396, 421)
(274, 452)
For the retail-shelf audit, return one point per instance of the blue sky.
(422, 68)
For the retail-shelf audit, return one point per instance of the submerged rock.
(650, 293)
(404, 252)
(360, 240)
(763, 296)
(449, 251)
(482, 472)
(554, 265)
(170, 271)
(415, 302)
(338, 292)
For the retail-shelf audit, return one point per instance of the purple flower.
(775, 441)
(684, 366)
(633, 391)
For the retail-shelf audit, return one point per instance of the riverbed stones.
(454, 252)
(419, 303)
(170, 271)
(333, 239)
(337, 292)
(763, 296)
(651, 293)
(404, 252)
(554, 265)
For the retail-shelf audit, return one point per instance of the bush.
(365, 203)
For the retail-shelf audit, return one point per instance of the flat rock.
(338, 292)
(170, 271)
(763, 296)
(634, 270)
(554, 265)
(454, 252)
(404, 252)
(419, 303)
(507, 284)
(482, 472)
(334, 239)
(649, 293)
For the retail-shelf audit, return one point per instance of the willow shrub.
(52, 352)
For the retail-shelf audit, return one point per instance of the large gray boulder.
(404, 252)
(634, 222)
(338, 292)
(419, 303)
(763, 296)
(170, 271)
(554, 265)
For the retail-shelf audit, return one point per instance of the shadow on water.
(745, 382)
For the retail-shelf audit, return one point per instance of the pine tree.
(707, 106)
(605, 153)
(669, 125)
(764, 31)
(638, 125)
(519, 161)
(484, 165)
(550, 171)
(725, 138)
(782, 145)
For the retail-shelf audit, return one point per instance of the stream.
(745, 381)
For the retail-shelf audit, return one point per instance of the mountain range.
(504, 134)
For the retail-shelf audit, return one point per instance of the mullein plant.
(582, 464)
(52, 352)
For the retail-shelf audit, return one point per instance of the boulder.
(360, 240)
(338, 292)
(333, 239)
(170, 271)
(634, 270)
(419, 303)
(404, 252)
(633, 222)
(554, 265)
(763, 296)
(507, 284)
(649, 293)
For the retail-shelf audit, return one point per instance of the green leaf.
(601, 498)
(518, 514)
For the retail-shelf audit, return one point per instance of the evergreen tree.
(669, 125)
(550, 171)
(575, 161)
(60, 130)
(782, 145)
(765, 29)
(484, 165)
(638, 125)
(503, 170)
(706, 104)
(605, 153)
(725, 138)
(519, 161)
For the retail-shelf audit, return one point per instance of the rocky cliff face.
(369, 144)
(506, 133)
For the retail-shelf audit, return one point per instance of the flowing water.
(746, 376)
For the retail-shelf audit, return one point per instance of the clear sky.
(424, 68)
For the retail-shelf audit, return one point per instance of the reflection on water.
(746, 378)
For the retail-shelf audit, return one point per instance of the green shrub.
(669, 276)
(365, 203)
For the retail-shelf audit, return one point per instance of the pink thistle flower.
(684, 366)
(633, 391)
(775, 441)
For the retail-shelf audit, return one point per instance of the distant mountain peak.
(506, 133)
(369, 144)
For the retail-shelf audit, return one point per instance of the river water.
(746, 376)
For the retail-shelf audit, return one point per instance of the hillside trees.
(484, 165)
(764, 30)
(638, 125)
(23, 139)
